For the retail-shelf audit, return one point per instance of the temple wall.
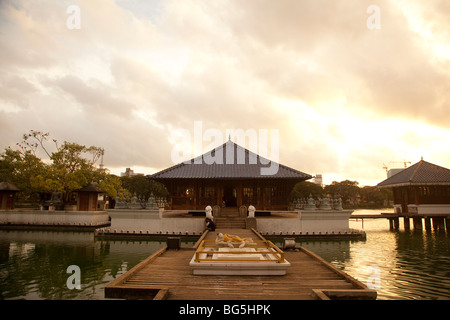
(153, 222)
(307, 222)
(429, 209)
(167, 222)
(54, 218)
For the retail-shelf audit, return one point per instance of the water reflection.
(412, 264)
(33, 264)
(422, 267)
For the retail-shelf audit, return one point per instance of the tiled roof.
(421, 173)
(6, 186)
(229, 161)
(90, 188)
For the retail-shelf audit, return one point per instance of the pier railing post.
(391, 224)
(396, 223)
(427, 223)
(406, 223)
(417, 223)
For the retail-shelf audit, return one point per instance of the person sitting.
(210, 225)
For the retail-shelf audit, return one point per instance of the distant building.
(393, 171)
(318, 179)
(129, 173)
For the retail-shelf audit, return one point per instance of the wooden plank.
(162, 294)
(132, 271)
(167, 275)
(201, 238)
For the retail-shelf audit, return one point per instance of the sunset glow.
(346, 99)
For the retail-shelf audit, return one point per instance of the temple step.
(230, 223)
(230, 212)
(230, 219)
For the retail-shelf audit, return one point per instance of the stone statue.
(311, 205)
(151, 203)
(251, 211)
(117, 204)
(297, 204)
(120, 201)
(208, 211)
(226, 239)
(324, 205)
(339, 204)
(134, 202)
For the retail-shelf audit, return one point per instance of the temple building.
(421, 191)
(230, 176)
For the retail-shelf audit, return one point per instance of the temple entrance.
(229, 195)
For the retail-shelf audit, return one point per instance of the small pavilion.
(7, 195)
(421, 191)
(230, 176)
(423, 183)
(88, 197)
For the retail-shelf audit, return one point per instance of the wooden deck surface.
(167, 275)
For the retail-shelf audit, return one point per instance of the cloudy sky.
(349, 88)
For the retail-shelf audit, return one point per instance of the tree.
(143, 187)
(372, 196)
(23, 169)
(69, 167)
(70, 170)
(109, 183)
(305, 188)
(347, 190)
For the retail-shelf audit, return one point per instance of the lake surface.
(399, 264)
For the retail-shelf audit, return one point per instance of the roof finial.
(229, 137)
(421, 158)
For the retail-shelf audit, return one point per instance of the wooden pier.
(166, 275)
(437, 222)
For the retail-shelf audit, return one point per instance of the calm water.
(33, 264)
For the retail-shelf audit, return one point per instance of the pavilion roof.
(421, 173)
(90, 188)
(228, 161)
(6, 186)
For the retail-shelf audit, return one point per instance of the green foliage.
(351, 194)
(354, 196)
(70, 170)
(25, 171)
(143, 187)
(71, 166)
(109, 183)
(305, 188)
(347, 190)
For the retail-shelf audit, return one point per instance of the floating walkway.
(166, 274)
